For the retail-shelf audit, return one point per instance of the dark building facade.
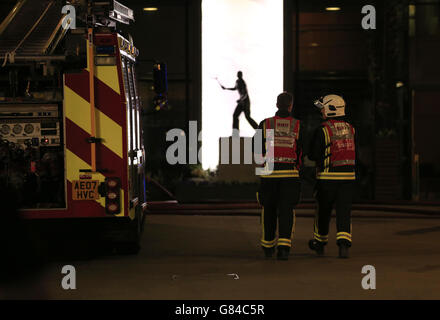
(388, 76)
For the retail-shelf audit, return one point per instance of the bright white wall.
(244, 35)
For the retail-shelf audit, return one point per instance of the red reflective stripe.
(76, 141)
(107, 100)
(79, 83)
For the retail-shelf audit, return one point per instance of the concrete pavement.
(198, 257)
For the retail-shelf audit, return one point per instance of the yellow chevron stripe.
(74, 164)
(78, 111)
(108, 75)
(110, 132)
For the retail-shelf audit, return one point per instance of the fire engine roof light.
(121, 13)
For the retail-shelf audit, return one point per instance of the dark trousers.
(336, 194)
(278, 196)
(245, 107)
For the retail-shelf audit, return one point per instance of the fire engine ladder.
(31, 31)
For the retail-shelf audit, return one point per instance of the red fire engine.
(71, 140)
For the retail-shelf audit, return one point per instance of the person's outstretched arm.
(234, 88)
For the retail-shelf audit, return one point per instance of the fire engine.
(70, 127)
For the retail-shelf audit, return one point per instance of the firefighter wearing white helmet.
(333, 148)
(332, 105)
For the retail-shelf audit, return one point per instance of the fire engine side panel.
(112, 76)
(123, 50)
(125, 140)
(110, 126)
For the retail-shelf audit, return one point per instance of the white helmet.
(333, 105)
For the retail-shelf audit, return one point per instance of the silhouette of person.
(243, 104)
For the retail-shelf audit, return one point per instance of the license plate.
(85, 189)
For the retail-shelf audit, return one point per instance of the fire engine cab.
(70, 129)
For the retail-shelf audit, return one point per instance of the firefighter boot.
(283, 252)
(268, 252)
(343, 251)
(317, 246)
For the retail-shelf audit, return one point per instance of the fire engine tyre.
(134, 234)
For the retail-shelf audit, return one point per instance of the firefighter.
(280, 189)
(333, 149)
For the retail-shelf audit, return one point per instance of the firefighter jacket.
(285, 140)
(333, 147)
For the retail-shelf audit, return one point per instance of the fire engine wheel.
(134, 233)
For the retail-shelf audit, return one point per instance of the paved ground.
(190, 257)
